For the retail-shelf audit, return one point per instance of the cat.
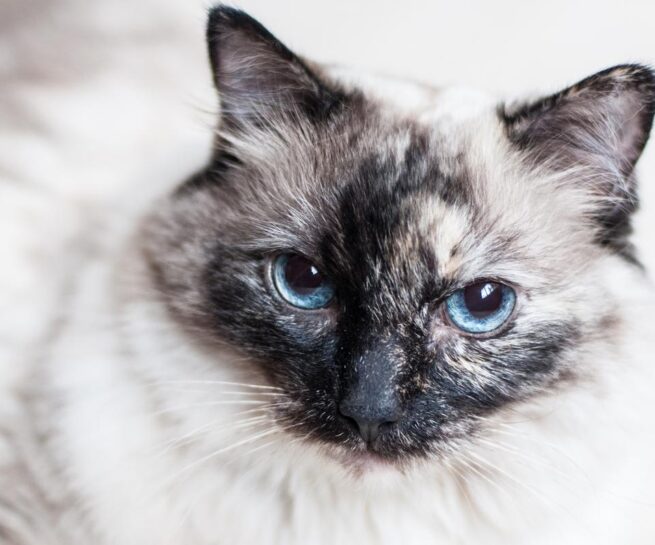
(382, 312)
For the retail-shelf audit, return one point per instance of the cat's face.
(400, 278)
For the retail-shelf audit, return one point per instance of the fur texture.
(179, 400)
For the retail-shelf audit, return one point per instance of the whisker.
(540, 442)
(514, 451)
(190, 436)
(218, 393)
(214, 382)
(546, 501)
(472, 466)
(216, 453)
(233, 402)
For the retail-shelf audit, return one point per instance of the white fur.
(80, 321)
(571, 468)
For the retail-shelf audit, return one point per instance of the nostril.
(349, 420)
(386, 426)
(368, 423)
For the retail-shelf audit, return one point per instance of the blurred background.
(104, 104)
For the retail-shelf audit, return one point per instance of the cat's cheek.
(442, 334)
(448, 349)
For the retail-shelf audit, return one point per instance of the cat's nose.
(370, 401)
(370, 421)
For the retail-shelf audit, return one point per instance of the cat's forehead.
(421, 101)
(436, 182)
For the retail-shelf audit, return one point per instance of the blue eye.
(481, 307)
(300, 283)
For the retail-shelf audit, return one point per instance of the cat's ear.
(598, 127)
(257, 77)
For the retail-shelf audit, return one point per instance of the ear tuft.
(599, 125)
(609, 113)
(258, 78)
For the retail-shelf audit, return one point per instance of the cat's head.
(398, 274)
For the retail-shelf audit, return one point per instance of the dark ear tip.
(224, 14)
(638, 77)
(623, 77)
(224, 21)
(639, 74)
(223, 17)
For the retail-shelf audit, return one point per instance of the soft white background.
(103, 103)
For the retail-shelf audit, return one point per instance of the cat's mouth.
(367, 460)
(385, 451)
(356, 445)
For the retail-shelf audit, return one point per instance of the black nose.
(370, 420)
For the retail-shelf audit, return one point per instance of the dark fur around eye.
(374, 354)
(364, 196)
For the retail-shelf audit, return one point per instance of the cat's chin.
(367, 465)
(367, 462)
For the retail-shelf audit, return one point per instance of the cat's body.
(131, 424)
(581, 459)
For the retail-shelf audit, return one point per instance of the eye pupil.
(483, 298)
(481, 307)
(299, 282)
(302, 275)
